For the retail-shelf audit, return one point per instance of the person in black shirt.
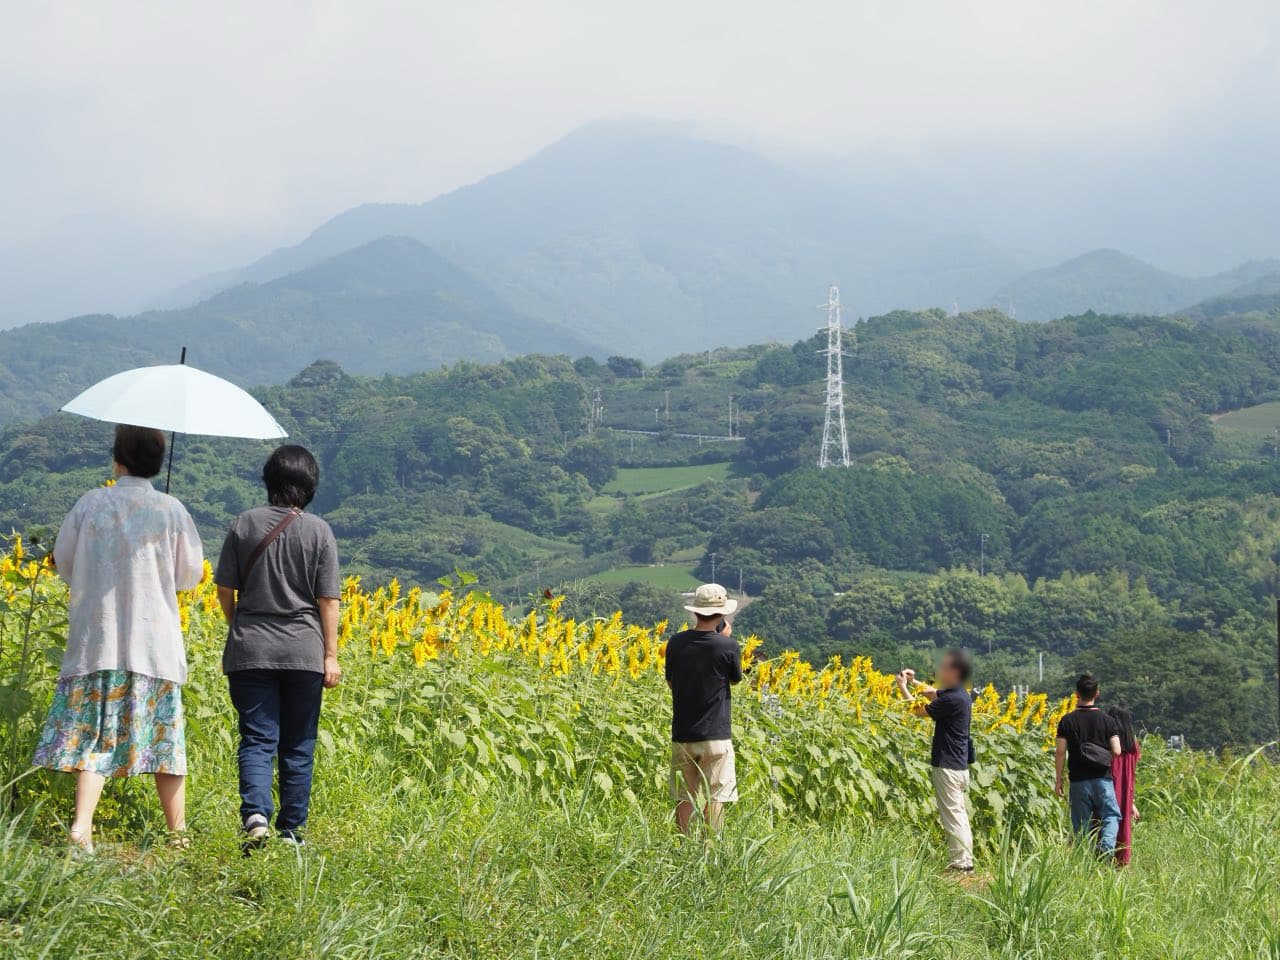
(950, 707)
(1088, 739)
(702, 664)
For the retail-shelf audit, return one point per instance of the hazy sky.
(263, 118)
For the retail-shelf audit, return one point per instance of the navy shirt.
(951, 712)
(701, 666)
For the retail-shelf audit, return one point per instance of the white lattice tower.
(835, 440)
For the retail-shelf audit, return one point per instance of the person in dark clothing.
(950, 707)
(1088, 740)
(702, 664)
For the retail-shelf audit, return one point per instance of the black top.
(1087, 725)
(701, 665)
(951, 711)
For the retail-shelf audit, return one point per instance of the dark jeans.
(1094, 801)
(279, 716)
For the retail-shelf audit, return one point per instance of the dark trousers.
(279, 715)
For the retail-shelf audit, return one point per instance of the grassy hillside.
(493, 788)
(664, 479)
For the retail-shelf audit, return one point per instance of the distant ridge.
(1111, 282)
(389, 306)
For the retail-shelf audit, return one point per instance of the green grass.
(668, 578)
(1261, 420)
(639, 480)
(406, 864)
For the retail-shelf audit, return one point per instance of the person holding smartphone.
(950, 707)
(703, 663)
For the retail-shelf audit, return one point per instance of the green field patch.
(639, 480)
(675, 579)
(1262, 419)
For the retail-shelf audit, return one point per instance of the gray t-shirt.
(277, 621)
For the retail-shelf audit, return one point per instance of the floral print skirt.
(115, 723)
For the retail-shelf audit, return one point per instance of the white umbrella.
(179, 399)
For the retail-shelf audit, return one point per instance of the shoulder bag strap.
(293, 514)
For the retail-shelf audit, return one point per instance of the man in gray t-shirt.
(277, 621)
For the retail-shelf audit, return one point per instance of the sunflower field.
(450, 682)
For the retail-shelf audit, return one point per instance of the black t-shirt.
(1086, 725)
(951, 711)
(701, 665)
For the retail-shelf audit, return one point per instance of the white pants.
(949, 789)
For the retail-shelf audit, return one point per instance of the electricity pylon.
(835, 440)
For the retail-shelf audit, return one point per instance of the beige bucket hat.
(711, 600)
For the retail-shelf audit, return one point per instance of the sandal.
(80, 846)
(179, 841)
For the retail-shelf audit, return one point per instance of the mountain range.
(621, 238)
(388, 306)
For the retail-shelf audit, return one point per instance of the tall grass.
(399, 867)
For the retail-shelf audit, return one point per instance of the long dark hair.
(1121, 715)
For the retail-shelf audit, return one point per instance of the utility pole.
(1042, 666)
(982, 559)
(835, 439)
(741, 592)
(666, 399)
(731, 416)
(713, 568)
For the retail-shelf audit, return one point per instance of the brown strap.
(293, 514)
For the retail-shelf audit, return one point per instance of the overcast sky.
(263, 118)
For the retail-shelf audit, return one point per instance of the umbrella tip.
(183, 359)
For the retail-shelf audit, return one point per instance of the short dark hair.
(1086, 686)
(140, 450)
(291, 476)
(960, 660)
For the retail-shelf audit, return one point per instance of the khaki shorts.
(703, 769)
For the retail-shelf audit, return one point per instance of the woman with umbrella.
(125, 552)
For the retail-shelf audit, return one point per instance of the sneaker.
(292, 837)
(254, 830)
(959, 868)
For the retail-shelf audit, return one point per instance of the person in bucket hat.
(703, 663)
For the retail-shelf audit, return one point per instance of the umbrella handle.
(173, 436)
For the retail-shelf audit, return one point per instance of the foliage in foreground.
(489, 788)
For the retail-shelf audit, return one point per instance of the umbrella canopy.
(177, 398)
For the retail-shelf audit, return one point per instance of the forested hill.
(1076, 463)
(391, 305)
